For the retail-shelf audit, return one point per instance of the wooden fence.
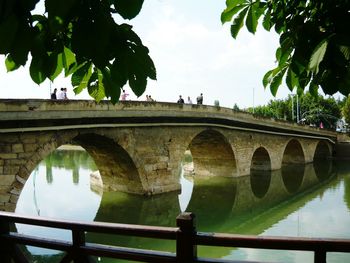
(185, 235)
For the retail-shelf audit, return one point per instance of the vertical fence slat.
(320, 256)
(5, 246)
(186, 249)
(78, 237)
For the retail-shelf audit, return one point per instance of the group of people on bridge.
(189, 101)
(59, 95)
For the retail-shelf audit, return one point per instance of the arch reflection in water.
(201, 193)
(221, 205)
(292, 175)
(323, 169)
(59, 187)
(260, 182)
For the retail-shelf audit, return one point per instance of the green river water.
(302, 201)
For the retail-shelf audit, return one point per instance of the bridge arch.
(322, 151)
(212, 154)
(261, 160)
(260, 175)
(116, 167)
(293, 153)
(121, 175)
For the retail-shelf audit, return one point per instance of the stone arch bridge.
(138, 147)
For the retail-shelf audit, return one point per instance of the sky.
(193, 53)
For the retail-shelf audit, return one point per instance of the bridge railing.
(185, 235)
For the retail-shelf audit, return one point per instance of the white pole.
(292, 106)
(297, 109)
(253, 100)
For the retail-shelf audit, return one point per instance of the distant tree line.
(306, 109)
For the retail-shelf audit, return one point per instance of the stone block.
(30, 147)
(7, 179)
(28, 138)
(11, 169)
(149, 168)
(8, 155)
(5, 148)
(17, 148)
(5, 197)
(15, 191)
(163, 158)
(161, 165)
(21, 180)
(10, 207)
(14, 199)
(25, 155)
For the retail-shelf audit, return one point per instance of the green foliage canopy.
(346, 110)
(81, 38)
(312, 109)
(314, 41)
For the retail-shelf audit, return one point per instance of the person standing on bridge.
(180, 100)
(200, 99)
(54, 94)
(124, 95)
(60, 94)
(189, 101)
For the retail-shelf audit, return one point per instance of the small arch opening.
(116, 167)
(261, 160)
(212, 155)
(293, 153)
(322, 151)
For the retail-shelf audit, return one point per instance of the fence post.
(320, 256)
(186, 249)
(5, 246)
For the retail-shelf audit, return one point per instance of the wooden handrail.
(186, 236)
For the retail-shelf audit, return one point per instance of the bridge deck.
(35, 114)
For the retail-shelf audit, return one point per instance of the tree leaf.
(128, 9)
(318, 55)
(238, 22)
(267, 24)
(346, 51)
(81, 77)
(112, 89)
(230, 11)
(10, 64)
(291, 79)
(95, 86)
(8, 30)
(37, 69)
(276, 81)
(269, 76)
(68, 58)
(251, 21)
(56, 67)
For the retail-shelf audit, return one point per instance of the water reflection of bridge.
(250, 208)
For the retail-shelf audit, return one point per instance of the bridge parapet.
(14, 111)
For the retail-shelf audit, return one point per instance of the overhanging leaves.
(238, 22)
(314, 40)
(81, 77)
(318, 55)
(128, 9)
